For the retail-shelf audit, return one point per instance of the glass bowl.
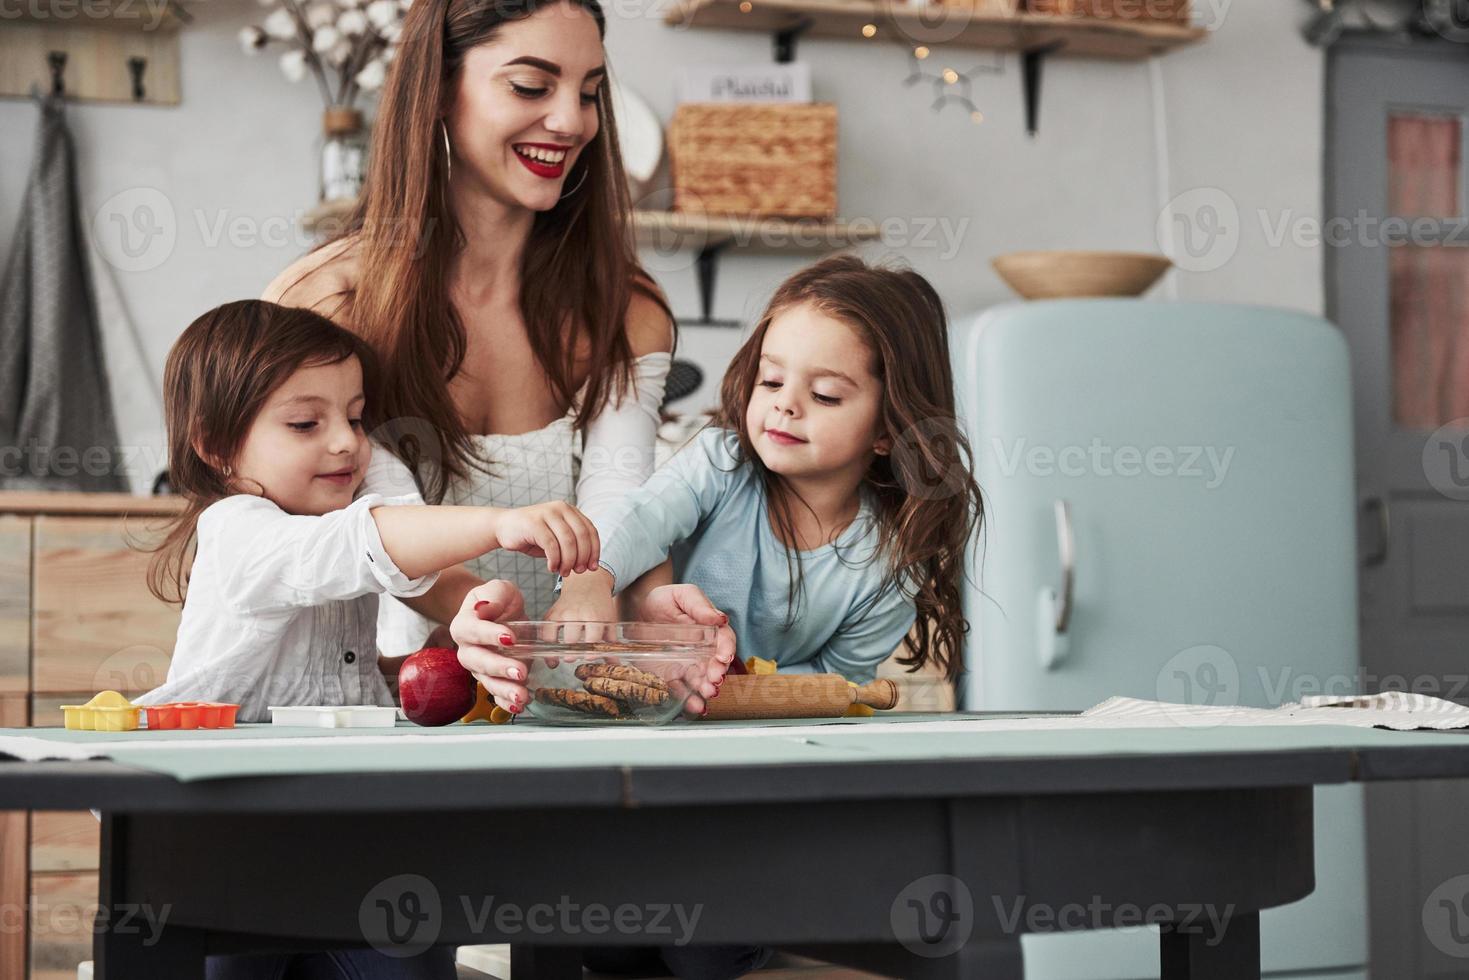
(610, 673)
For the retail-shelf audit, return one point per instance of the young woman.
(490, 264)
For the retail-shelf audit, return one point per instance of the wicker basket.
(1171, 11)
(753, 158)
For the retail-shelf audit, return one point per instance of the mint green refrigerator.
(1170, 515)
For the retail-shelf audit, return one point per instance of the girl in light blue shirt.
(829, 506)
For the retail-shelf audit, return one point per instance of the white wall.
(1243, 118)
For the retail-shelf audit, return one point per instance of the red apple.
(434, 687)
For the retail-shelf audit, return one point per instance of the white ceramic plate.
(639, 133)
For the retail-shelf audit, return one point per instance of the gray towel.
(56, 426)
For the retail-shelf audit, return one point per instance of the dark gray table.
(827, 859)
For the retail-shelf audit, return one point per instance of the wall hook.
(136, 67)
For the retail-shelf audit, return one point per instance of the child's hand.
(585, 599)
(481, 639)
(689, 604)
(555, 531)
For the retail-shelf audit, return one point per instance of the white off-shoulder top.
(616, 455)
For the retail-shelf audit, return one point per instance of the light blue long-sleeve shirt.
(710, 513)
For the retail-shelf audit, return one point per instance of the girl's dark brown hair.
(217, 377)
(578, 272)
(927, 501)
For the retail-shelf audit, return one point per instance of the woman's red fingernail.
(481, 604)
(723, 620)
(704, 712)
(507, 639)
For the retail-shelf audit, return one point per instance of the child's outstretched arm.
(422, 539)
(274, 560)
(638, 532)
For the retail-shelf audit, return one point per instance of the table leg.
(173, 954)
(545, 962)
(1196, 951)
(132, 940)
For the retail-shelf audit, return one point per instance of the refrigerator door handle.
(1377, 506)
(1053, 620)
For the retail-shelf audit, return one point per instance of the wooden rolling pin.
(796, 696)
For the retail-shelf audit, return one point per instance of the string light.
(868, 30)
(950, 84)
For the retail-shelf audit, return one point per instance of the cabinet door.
(1398, 174)
(15, 678)
(63, 857)
(14, 851)
(96, 625)
(15, 606)
(62, 923)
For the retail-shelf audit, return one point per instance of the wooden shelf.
(103, 41)
(332, 211)
(1072, 37)
(668, 230)
(142, 16)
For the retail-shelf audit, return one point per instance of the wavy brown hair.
(218, 376)
(578, 271)
(928, 505)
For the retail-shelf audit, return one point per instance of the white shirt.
(615, 456)
(282, 609)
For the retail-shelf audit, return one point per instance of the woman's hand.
(481, 638)
(555, 531)
(689, 604)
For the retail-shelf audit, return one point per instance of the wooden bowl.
(1057, 275)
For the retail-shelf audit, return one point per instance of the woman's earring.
(448, 151)
(566, 194)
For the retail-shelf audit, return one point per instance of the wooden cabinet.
(96, 626)
(76, 618)
(14, 862)
(15, 605)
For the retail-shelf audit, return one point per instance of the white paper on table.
(1398, 710)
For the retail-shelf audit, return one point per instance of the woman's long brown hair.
(929, 506)
(217, 377)
(578, 272)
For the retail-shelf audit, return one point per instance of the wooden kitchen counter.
(97, 504)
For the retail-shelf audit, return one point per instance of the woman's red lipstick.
(540, 168)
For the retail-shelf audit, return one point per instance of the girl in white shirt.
(267, 409)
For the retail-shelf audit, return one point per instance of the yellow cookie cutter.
(107, 712)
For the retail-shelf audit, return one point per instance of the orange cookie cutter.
(189, 715)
